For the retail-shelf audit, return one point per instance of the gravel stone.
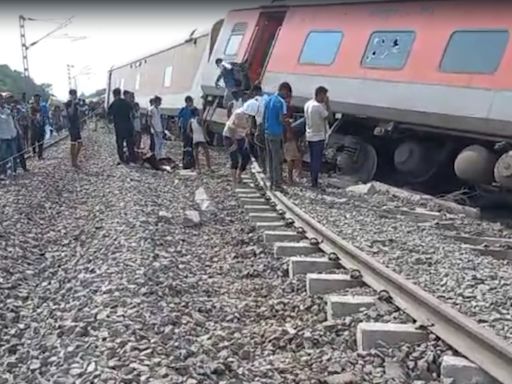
(102, 283)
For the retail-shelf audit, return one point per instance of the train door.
(262, 41)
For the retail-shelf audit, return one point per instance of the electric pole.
(25, 47)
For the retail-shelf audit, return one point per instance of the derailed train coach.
(172, 73)
(422, 89)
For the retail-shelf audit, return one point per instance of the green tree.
(14, 82)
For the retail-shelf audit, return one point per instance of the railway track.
(295, 235)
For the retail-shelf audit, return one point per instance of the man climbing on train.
(227, 74)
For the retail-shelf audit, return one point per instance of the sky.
(114, 35)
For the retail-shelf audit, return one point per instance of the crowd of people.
(261, 126)
(26, 126)
(258, 126)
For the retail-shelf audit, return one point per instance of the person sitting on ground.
(146, 154)
(196, 130)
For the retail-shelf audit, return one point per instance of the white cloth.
(7, 127)
(316, 120)
(159, 144)
(226, 65)
(197, 132)
(156, 120)
(136, 121)
(255, 107)
(237, 125)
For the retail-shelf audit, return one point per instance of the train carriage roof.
(290, 3)
(194, 35)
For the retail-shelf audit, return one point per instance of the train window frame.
(335, 54)
(405, 60)
(238, 31)
(443, 69)
(167, 80)
(137, 81)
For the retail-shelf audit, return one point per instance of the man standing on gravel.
(256, 106)
(8, 135)
(37, 126)
(316, 113)
(157, 130)
(121, 112)
(73, 115)
(275, 118)
(187, 113)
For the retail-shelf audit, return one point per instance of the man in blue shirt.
(274, 119)
(227, 74)
(184, 116)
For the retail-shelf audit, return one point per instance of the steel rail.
(480, 345)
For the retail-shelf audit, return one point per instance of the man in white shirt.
(8, 134)
(156, 127)
(316, 113)
(255, 108)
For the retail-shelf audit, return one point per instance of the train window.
(474, 51)
(137, 81)
(168, 76)
(388, 49)
(235, 39)
(321, 47)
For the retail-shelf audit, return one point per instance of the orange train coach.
(422, 90)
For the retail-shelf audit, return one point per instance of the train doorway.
(262, 42)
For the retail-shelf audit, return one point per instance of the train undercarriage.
(408, 156)
(474, 171)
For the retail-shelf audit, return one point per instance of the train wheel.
(503, 170)
(415, 161)
(475, 164)
(358, 159)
